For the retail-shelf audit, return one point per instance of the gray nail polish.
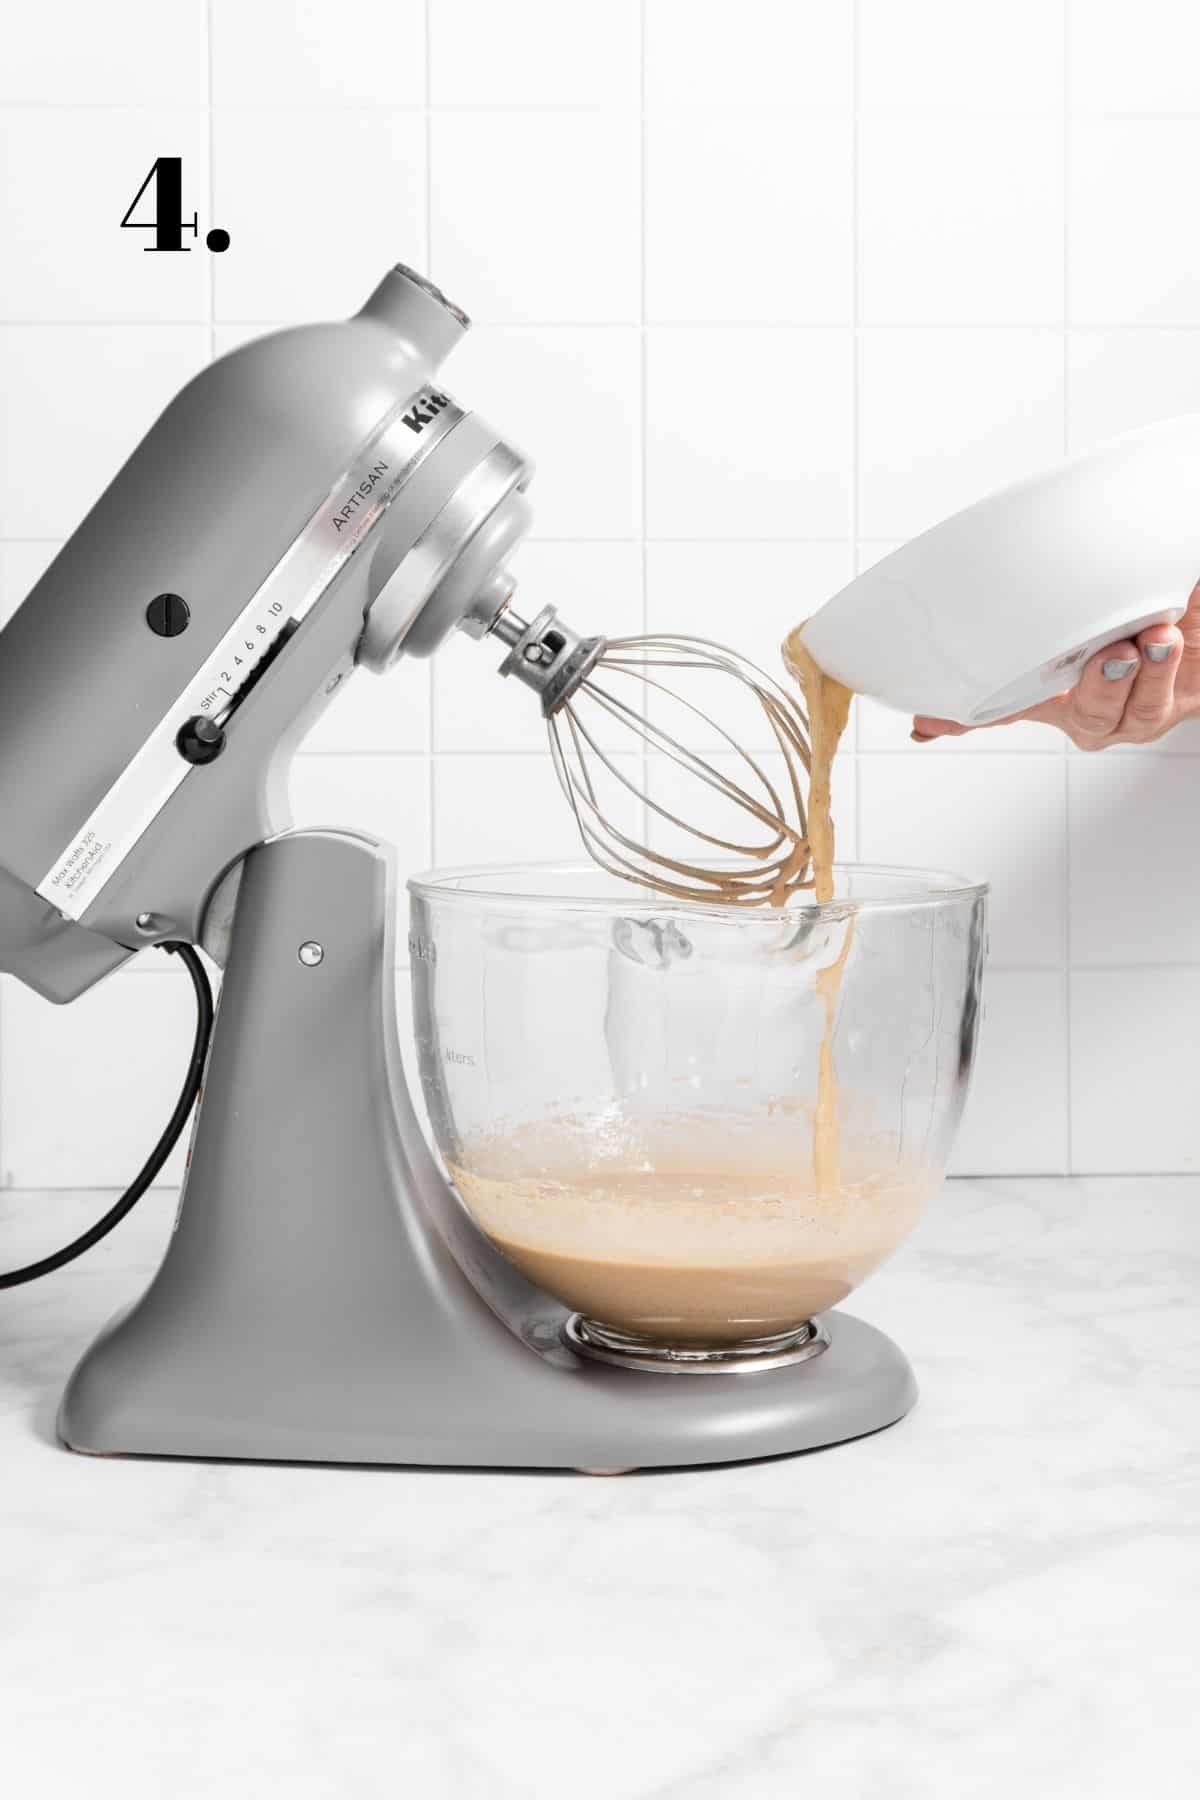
(1117, 670)
(1158, 652)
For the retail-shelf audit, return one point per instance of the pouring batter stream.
(828, 704)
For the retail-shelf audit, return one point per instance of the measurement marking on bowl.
(460, 1056)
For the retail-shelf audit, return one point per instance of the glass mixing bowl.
(697, 1127)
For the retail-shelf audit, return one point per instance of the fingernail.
(1116, 670)
(1158, 652)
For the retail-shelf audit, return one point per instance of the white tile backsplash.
(1118, 380)
(290, 53)
(474, 709)
(1003, 821)
(347, 199)
(95, 270)
(498, 809)
(537, 216)
(1017, 1118)
(960, 222)
(753, 591)
(1135, 859)
(572, 397)
(1135, 59)
(1135, 1078)
(81, 54)
(785, 260)
(384, 796)
(772, 54)
(85, 1089)
(533, 53)
(792, 474)
(946, 415)
(1129, 251)
(376, 714)
(94, 388)
(761, 303)
(939, 57)
(21, 565)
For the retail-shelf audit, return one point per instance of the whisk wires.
(763, 866)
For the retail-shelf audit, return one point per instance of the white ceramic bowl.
(1001, 605)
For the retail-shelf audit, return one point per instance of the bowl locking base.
(626, 1350)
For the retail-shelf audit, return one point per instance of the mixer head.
(311, 503)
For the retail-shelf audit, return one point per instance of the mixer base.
(526, 1413)
(324, 1297)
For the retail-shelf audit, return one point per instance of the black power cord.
(165, 1144)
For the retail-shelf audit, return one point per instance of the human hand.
(1131, 693)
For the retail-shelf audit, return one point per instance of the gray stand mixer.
(312, 502)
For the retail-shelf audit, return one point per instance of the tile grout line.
(5, 1171)
(728, 326)
(1148, 754)
(211, 283)
(430, 677)
(855, 95)
(1003, 967)
(922, 114)
(1066, 225)
(1066, 775)
(897, 753)
(644, 364)
(1007, 1173)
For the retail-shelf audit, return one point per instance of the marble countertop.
(1001, 1594)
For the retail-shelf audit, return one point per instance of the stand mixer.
(312, 503)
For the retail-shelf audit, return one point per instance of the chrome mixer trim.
(355, 504)
(625, 1351)
(431, 557)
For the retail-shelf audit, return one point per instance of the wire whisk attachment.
(739, 810)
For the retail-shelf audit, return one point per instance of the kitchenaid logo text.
(425, 411)
(362, 492)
